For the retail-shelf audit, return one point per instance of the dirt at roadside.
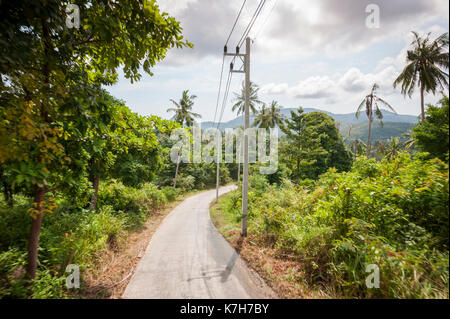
(115, 266)
(282, 273)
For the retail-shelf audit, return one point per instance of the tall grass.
(391, 214)
(71, 235)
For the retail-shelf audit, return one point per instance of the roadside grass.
(283, 273)
(105, 244)
(115, 266)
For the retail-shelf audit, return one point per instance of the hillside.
(389, 130)
(348, 118)
(394, 124)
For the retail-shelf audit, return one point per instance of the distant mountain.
(339, 118)
(389, 130)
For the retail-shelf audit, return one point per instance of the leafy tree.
(369, 102)
(49, 82)
(427, 62)
(253, 99)
(314, 145)
(145, 149)
(432, 136)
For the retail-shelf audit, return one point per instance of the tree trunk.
(8, 194)
(176, 172)
(422, 103)
(95, 184)
(33, 241)
(368, 136)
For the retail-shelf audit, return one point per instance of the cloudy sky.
(305, 53)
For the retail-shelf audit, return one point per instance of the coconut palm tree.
(269, 117)
(183, 113)
(425, 69)
(358, 148)
(371, 101)
(240, 99)
(184, 116)
(262, 120)
(274, 116)
(409, 143)
(393, 148)
(381, 148)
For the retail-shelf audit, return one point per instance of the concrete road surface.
(188, 258)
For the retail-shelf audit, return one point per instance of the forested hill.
(348, 118)
(394, 124)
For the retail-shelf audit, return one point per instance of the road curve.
(187, 258)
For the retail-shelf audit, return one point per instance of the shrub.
(393, 214)
(171, 193)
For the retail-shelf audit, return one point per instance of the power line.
(220, 88)
(251, 22)
(235, 22)
(223, 62)
(225, 97)
(265, 21)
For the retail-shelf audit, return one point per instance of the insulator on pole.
(231, 66)
(225, 49)
(237, 50)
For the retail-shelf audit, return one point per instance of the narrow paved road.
(188, 258)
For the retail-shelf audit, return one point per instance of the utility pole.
(246, 60)
(246, 125)
(217, 174)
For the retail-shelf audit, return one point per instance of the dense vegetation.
(79, 171)
(393, 213)
(76, 165)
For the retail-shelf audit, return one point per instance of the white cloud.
(315, 87)
(353, 81)
(274, 89)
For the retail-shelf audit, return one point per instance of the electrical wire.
(223, 62)
(235, 22)
(225, 98)
(265, 21)
(251, 22)
(220, 88)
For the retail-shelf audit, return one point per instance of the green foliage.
(71, 235)
(313, 145)
(432, 136)
(171, 193)
(393, 214)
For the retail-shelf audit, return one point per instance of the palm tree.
(410, 140)
(381, 148)
(262, 120)
(370, 101)
(240, 99)
(269, 117)
(393, 148)
(358, 147)
(275, 118)
(183, 113)
(424, 69)
(184, 116)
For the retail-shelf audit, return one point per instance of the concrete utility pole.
(246, 58)
(217, 174)
(246, 125)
